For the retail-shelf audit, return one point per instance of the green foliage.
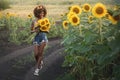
(17, 30)
(4, 4)
(93, 50)
(56, 29)
(66, 77)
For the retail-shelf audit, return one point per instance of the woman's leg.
(40, 54)
(36, 53)
(36, 50)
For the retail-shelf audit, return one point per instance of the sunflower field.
(16, 29)
(92, 41)
(13, 28)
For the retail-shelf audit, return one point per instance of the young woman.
(40, 39)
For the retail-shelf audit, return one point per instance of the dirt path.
(19, 65)
(16, 54)
(20, 52)
(49, 62)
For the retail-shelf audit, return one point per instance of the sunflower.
(70, 14)
(74, 20)
(90, 19)
(117, 17)
(65, 24)
(48, 25)
(76, 9)
(44, 28)
(46, 20)
(41, 22)
(44, 24)
(112, 19)
(29, 16)
(7, 15)
(86, 7)
(99, 10)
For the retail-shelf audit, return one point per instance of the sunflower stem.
(100, 29)
(80, 30)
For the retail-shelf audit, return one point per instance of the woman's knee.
(44, 43)
(40, 58)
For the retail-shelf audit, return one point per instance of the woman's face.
(42, 14)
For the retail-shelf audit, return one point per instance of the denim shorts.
(39, 38)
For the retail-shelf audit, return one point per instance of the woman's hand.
(35, 30)
(32, 31)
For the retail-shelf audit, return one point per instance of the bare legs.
(38, 53)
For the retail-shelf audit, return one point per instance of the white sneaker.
(36, 73)
(37, 70)
(41, 65)
(42, 62)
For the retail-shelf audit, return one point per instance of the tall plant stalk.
(100, 29)
(80, 30)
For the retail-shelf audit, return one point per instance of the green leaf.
(115, 13)
(115, 43)
(116, 72)
(90, 37)
(83, 48)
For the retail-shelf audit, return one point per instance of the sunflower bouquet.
(44, 24)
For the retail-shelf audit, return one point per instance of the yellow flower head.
(43, 28)
(62, 15)
(48, 25)
(65, 24)
(70, 14)
(76, 9)
(41, 22)
(74, 20)
(99, 10)
(117, 17)
(29, 15)
(90, 19)
(8, 15)
(112, 19)
(44, 24)
(86, 7)
(46, 20)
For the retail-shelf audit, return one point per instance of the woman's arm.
(33, 28)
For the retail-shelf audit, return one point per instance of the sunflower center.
(75, 20)
(117, 17)
(87, 7)
(99, 10)
(76, 10)
(42, 23)
(48, 25)
(44, 28)
(66, 23)
(90, 18)
(29, 15)
(46, 21)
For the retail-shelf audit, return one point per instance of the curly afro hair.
(38, 10)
